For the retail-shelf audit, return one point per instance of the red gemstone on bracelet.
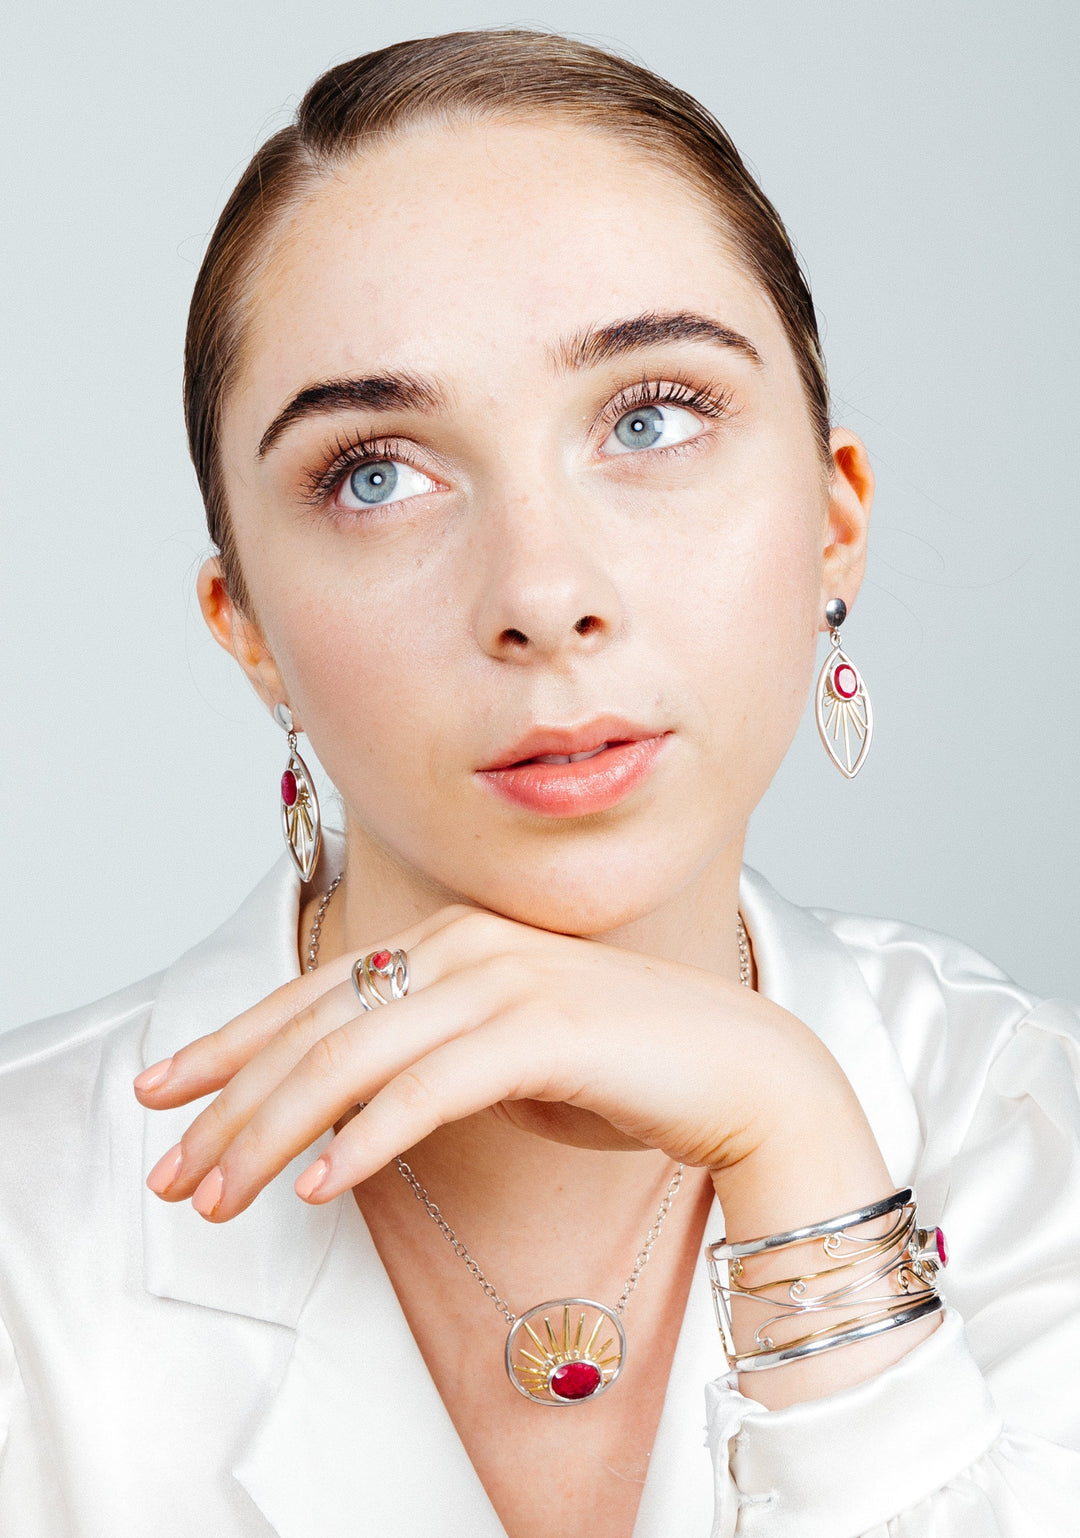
(380, 959)
(939, 1240)
(845, 681)
(575, 1380)
(288, 788)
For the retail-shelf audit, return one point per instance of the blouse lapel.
(356, 1438)
(262, 1263)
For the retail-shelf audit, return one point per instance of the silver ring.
(393, 966)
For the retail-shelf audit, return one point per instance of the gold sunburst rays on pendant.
(845, 718)
(565, 1351)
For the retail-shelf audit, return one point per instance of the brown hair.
(463, 76)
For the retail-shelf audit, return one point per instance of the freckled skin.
(705, 571)
(534, 575)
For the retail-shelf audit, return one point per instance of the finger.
(340, 1069)
(504, 1061)
(456, 947)
(179, 1171)
(204, 1065)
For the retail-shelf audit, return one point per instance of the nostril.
(515, 638)
(587, 624)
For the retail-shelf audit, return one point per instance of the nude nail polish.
(165, 1171)
(309, 1182)
(151, 1077)
(208, 1193)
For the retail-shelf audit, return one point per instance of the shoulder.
(66, 1101)
(912, 971)
(86, 1033)
(955, 1018)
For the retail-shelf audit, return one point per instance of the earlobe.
(851, 495)
(237, 634)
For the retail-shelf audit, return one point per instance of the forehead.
(466, 250)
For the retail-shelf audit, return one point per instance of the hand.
(569, 1038)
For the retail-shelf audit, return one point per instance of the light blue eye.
(380, 481)
(374, 483)
(647, 427)
(640, 429)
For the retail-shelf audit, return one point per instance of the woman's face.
(519, 465)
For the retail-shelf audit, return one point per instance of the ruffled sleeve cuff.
(848, 1464)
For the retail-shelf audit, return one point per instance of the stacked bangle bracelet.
(857, 1289)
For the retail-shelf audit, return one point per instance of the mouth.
(575, 771)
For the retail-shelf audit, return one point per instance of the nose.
(547, 593)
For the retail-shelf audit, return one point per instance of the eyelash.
(346, 453)
(667, 392)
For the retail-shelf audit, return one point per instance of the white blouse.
(161, 1375)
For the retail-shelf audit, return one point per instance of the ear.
(238, 635)
(851, 494)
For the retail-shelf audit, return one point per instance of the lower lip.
(576, 790)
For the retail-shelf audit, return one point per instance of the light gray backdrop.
(924, 156)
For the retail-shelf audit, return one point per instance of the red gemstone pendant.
(565, 1351)
(288, 788)
(575, 1380)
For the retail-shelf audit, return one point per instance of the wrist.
(809, 1165)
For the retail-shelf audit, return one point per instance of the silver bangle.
(910, 1254)
(755, 1361)
(724, 1251)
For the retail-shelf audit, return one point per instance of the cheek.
(370, 665)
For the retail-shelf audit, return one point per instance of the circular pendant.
(565, 1351)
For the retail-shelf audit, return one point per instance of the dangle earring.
(844, 715)
(299, 804)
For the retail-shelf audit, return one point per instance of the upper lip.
(605, 731)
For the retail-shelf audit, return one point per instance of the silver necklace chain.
(432, 1209)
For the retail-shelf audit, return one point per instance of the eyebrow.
(588, 349)
(602, 343)
(375, 392)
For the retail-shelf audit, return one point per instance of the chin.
(593, 893)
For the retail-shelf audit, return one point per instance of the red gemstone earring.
(300, 821)
(844, 715)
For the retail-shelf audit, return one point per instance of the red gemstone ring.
(393, 966)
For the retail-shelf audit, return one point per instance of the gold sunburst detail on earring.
(300, 815)
(845, 718)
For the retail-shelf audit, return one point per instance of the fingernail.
(165, 1171)
(312, 1178)
(208, 1193)
(151, 1077)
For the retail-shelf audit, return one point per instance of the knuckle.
(327, 1056)
(412, 1091)
(507, 973)
(483, 928)
(297, 1032)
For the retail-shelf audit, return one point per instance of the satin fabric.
(162, 1375)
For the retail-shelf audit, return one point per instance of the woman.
(506, 399)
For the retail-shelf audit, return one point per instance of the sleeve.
(976, 1432)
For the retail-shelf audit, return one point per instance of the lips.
(575, 771)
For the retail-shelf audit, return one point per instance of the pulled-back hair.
(466, 77)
